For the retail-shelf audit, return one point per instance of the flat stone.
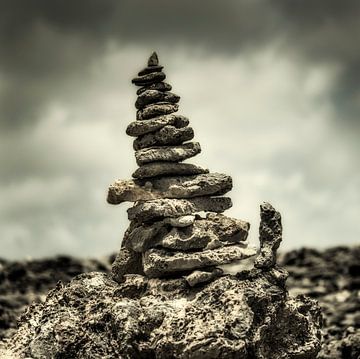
(138, 128)
(149, 79)
(150, 69)
(167, 153)
(153, 96)
(159, 208)
(210, 184)
(160, 86)
(153, 59)
(157, 109)
(200, 277)
(155, 169)
(159, 262)
(182, 221)
(167, 135)
(214, 231)
(270, 236)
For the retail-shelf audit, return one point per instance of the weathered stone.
(160, 208)
(127, 261)
(160, 262)
(150, 69)
(160, 86)
(155, 169)
(209, 184)
(200, 277)
(167, 153)
(182, 221)
(270, 236)
(153, 59)
(95, 317)
(212, 232)
(168, 135)
(141, 127)
(153, 96)
(148, 79)
(156, 109)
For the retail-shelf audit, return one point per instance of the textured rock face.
(96, 317)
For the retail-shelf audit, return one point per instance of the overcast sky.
(271, 89)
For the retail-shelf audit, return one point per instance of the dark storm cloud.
(47, 46)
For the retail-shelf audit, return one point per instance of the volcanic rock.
(270, 236)
(138, 128)
(127, 261)
(160, 262)
(199, 277)
(160, 208)
(160, 86)
(155, 169)
(167, 153)
(156, 109)
(153, 96)
(167, 135)
(149, 79)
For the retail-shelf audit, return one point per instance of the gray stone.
(155, 169)
(153, 59)
(138, 128)
(160, 208)
(167, 135)
(160, 86)
(200, 277)
(214, 184)
(160, 262)
(182, 221)
(212, 232)
(167, 153)
(156, 109)
(127, 261)
(148, 79)
(95, 317)
(270, 236)
(153, 96)
(150, 69)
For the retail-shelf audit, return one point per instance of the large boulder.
(245, 316)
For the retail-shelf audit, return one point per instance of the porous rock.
(156, 109)
(160, 262)
(208, 184)
(270, 232)
(127, 261)
(153, 96)
(167, 135)
(149, 79)
(155, 169)
(199, 277)
(95, 317)
(141, 127)
(160, 208)
(167, 153)
(160, 86)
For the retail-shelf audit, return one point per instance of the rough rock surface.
(156, 109)
(270, 236)
(211, 184)
(153, 96)
(138, 128)
(199, 277)
(159, 208)
(167, 135)
(160, 86)
(127, 261)
(149, 79)
(160, 262)
(95, 317)
(167, 153)
(155, 169)
(149, 69)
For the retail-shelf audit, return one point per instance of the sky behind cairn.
(271, 89)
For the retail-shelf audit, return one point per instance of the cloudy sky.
(271, 89)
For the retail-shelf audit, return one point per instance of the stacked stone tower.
(176, 227)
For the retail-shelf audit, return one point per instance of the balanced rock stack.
(176, 227)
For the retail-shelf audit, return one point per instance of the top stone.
(153, 59)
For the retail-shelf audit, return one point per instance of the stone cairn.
(176, 228)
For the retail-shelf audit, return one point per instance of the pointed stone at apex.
(153, 59)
